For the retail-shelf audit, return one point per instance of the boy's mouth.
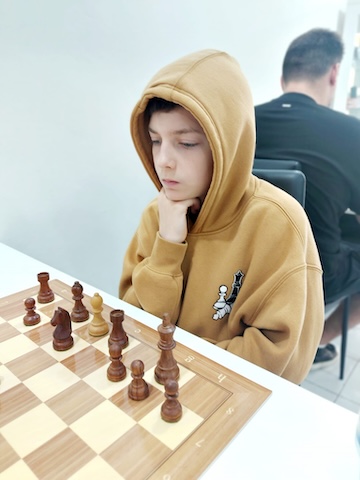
(168, 182)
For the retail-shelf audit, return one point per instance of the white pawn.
(221, 301)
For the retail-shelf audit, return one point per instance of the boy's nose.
(165, 158)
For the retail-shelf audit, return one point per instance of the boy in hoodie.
(230, 257)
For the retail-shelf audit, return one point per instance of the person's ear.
(334, 71)
(282, 83)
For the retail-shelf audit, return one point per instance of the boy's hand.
(173, 217)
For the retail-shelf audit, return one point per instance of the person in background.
(301, 125)
(229, 257)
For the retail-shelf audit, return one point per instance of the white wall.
(350, 27)
(72, 188)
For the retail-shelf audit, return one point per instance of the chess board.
(62, 418)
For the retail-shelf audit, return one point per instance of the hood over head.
(211, 86)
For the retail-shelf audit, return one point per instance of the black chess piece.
(79, 312)
(116, 370)
(138, 389)
(167, 367)
(45, 295)
(118, 334)
(171, 409)
(62, 338)
(31, 317)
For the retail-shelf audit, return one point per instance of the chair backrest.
(291, 181)
(270, 163)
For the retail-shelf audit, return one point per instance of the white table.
(295, 435)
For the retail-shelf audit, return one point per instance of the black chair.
(291, 181)
(276, 164)
(330, 307)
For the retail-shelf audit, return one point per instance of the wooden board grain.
(87, 424)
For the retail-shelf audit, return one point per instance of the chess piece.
(221, 302)
(116, 370)
(167, 367)
(118, 334)
(79, 312)
(223, 305)
(31, 317)
(98, 326)
(171, 409)
(138, 389)
(62, 338)
(45, 295)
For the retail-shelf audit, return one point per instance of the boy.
(230, 257)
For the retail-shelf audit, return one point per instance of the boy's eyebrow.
(181, 131)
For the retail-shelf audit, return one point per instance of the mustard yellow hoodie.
(248, 278)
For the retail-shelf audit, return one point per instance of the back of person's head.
(311, 55)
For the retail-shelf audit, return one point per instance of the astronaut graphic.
(223, 306)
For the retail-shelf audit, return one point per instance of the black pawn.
(31, 317)
(171, 409)
(79, 312)
(116, 370)
(138, 388)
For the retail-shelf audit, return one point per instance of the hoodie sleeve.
(152, 278)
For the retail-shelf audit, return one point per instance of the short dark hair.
(312, 54)
(156, 104)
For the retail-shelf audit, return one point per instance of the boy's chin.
(175, 197)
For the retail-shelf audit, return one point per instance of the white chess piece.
(221, 301)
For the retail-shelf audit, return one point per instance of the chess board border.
(206, 442)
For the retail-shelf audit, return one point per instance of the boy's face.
(181, 153)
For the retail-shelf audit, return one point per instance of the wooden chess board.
(62, 418)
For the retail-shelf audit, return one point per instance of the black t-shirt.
(327, 144)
